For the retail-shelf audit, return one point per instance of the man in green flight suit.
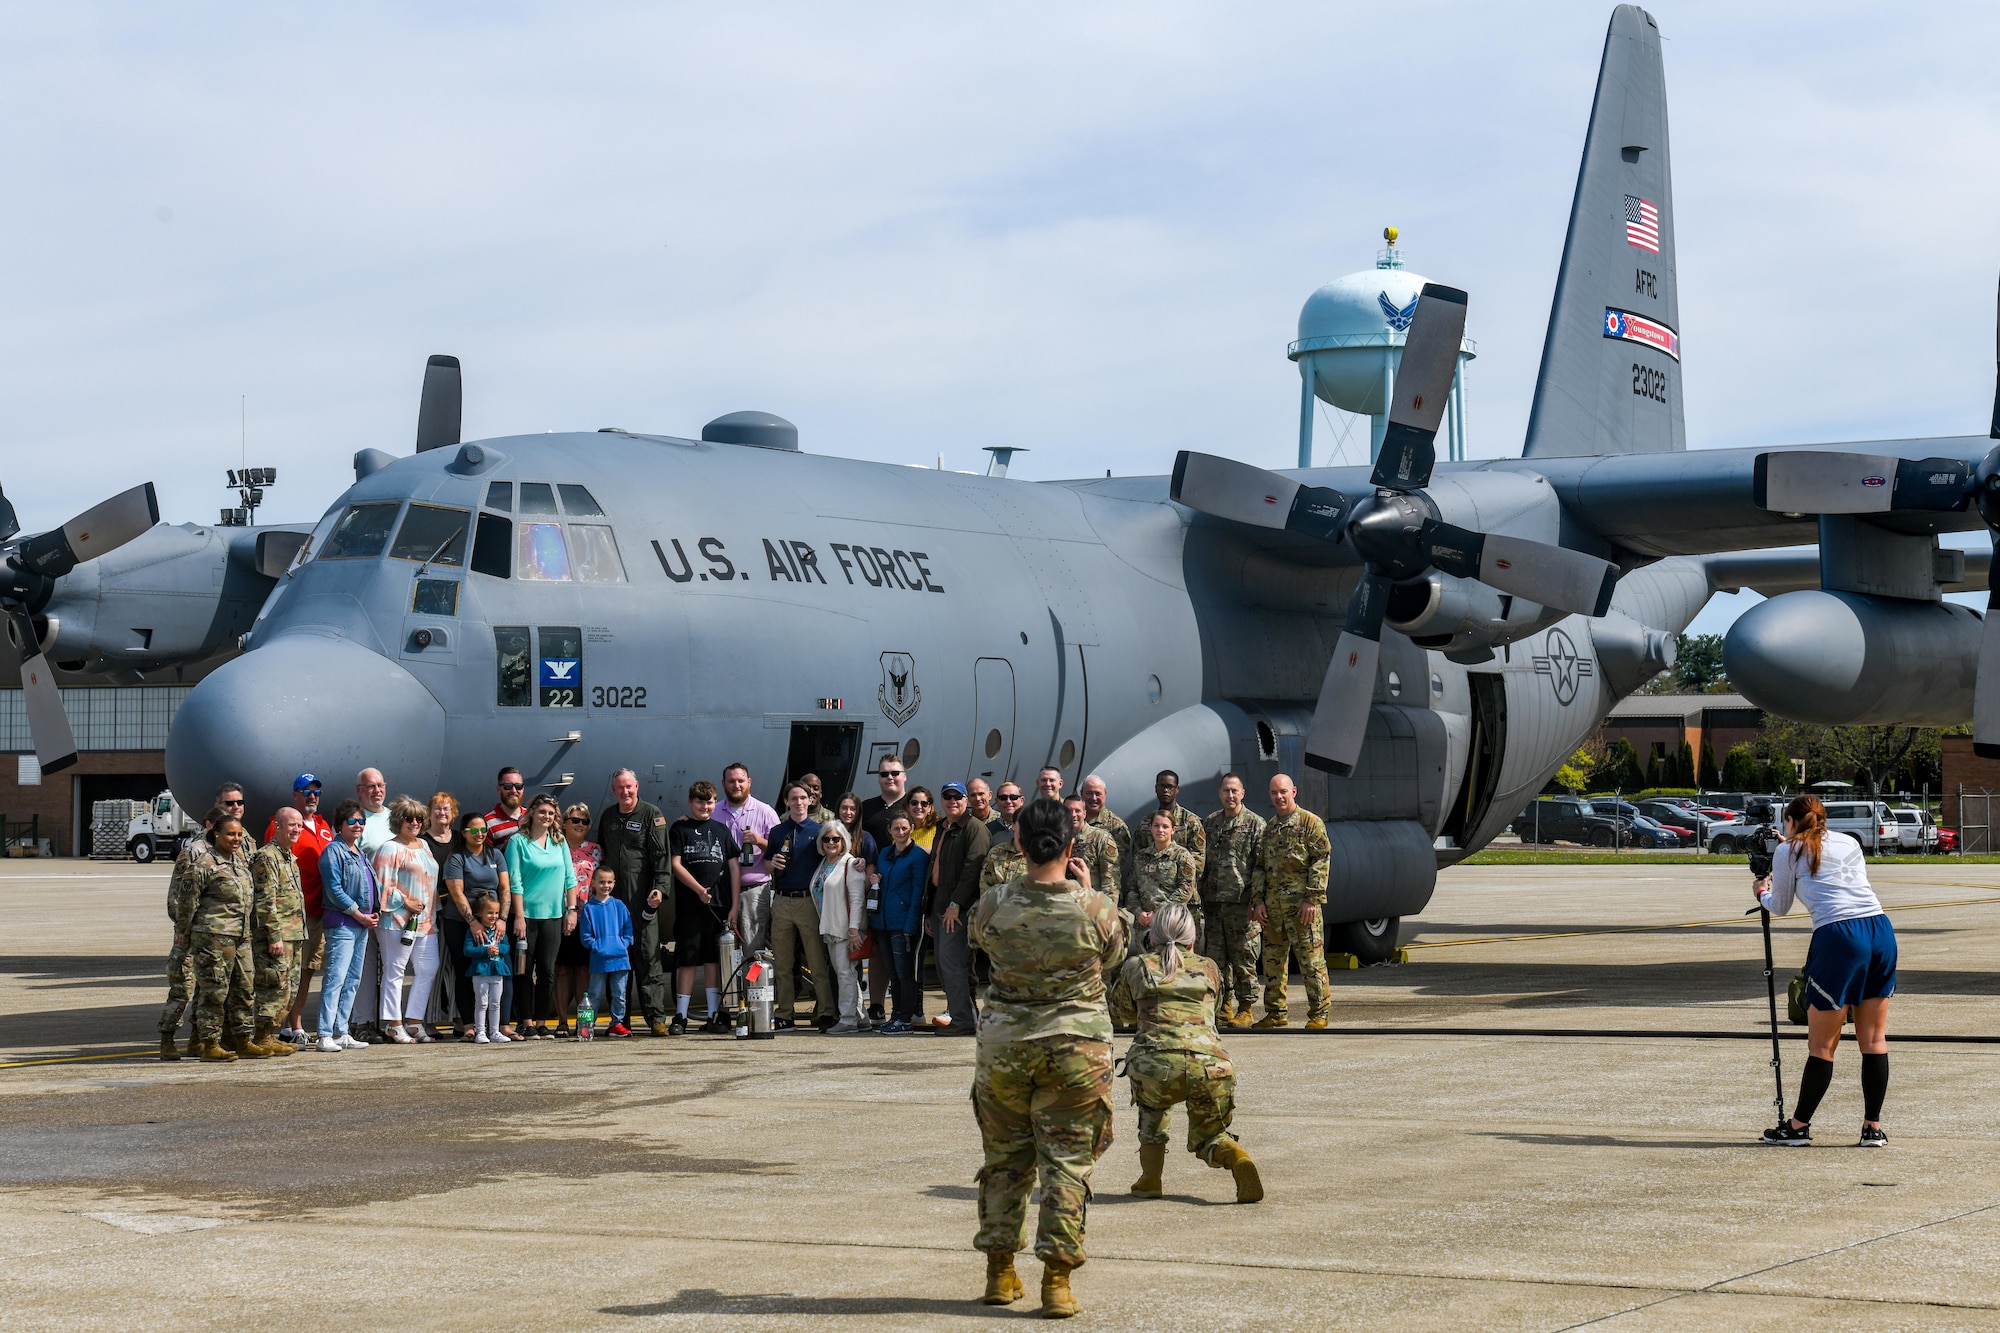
(633, 834)
(219, 926)
(1232, 938)
(1287, 891)
(1042, 1089)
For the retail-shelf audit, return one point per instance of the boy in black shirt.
(705, 861)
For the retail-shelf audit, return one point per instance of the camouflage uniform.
(278, 916)
(1003, 862)
(1042, 1090)
(1157, 877)
(1095, 848)
(1189, 833)
(1176, 1057)
(1119, 832)
(180, 910)
(1292, 859)
(223, 894)
(1231, 938)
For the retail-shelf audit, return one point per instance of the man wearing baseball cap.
(957, 856)
(313, 836)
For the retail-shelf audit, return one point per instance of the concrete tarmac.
(1493, 1179)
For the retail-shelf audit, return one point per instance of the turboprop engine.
(1849, 659)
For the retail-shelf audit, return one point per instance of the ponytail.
(1808, 818)
(1172, 930)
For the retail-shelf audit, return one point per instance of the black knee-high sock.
(1874, 1084)
(1812, 1086)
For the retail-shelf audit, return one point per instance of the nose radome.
(303, 703)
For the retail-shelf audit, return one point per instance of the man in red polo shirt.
(505, 818)
(313, 836)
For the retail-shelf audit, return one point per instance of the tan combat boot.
(248, 1049)
(1270, 1020)
(169, 1049)
(1229, 1156)
(215, 1053)
(1242, 1018)
(1152, 1160)
(1003, 1284)
(1317, 1024)
(267, 1041)
(1225, 1012)
(193, 1047)
(1057, 1300)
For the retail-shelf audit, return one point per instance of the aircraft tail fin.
(1610, 378)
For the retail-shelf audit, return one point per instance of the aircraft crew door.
(992, 720)
(827, 749)
(1072, 718)
(1488, 748)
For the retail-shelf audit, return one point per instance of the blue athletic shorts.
(1851, 961)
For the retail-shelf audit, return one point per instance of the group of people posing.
(530, 906)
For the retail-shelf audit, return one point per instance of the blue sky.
(919, 229)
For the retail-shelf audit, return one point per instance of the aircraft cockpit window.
(514, 683)
(577, 501)
(435, 597)
(493, 546)
(538, 497)
(596, 551)
(544, 557)
(363, 531)
(433, 535)
(500, 495)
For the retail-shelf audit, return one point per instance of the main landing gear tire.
(1370, 942)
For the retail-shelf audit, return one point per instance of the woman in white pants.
(408, 874)
(840, 891)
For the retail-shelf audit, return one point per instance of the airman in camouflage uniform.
(277, 932)
(1288, 890)
(1159, 875)
(1177, 1057)
(1188, 829)
(1095, 848)
(180, 959)
(1231, 937)
(1003, 862)
(1042, 1090)
(1095, 794)
(219, 924)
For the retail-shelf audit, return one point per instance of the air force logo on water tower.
(1564, 666)
(1399, 317)
(898, 694)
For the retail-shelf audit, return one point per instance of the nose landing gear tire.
(1370, 942)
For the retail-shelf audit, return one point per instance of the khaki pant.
(223, 996)
(1286, 936)
(795, 922)
(1235, 942)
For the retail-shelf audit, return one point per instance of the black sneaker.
(1784, 1136)
(875, 1013)
(783, 1024)
(679, 1026)
(1873, 1137)
(719, 1022)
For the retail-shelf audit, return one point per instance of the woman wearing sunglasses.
(474, 868)
(923, 817)
(840, 892)
(349, 899)
(544, 886)
(407, 936)
(572, 958)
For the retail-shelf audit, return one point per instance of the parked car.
(1567, 819)
(1947, 840)
(1692, 821)
(1917, 831)
(1647, 832)
(1869, 822)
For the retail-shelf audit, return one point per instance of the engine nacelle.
(1462, 618)
(1848, 659)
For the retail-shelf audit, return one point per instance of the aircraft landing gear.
(1370, 942)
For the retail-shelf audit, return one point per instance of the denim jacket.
(347, 885)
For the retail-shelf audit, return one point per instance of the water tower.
(1350, 343)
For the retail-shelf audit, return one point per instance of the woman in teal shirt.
(543, 876)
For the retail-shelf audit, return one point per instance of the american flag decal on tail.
(1642, 224)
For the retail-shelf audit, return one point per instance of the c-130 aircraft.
(734, 598)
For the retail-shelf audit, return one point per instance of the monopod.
(1771, 990)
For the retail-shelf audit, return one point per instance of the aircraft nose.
(303, 703)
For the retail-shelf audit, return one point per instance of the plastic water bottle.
(586, 1019)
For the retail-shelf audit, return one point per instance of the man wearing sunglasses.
(313, 836)
(957, 856)
(1004, 860)
(505, 816)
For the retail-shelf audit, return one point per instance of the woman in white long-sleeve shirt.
(1852, 961)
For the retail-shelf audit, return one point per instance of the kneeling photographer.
(1851, 961)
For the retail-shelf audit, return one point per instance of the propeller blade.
(1225, 488)
(1812, 481)
(1986, 685)
(443, 404)
(55, 743)
(1423, 385)
(94, 532)
(1552, 575)
(9, 524)
(1340, 718)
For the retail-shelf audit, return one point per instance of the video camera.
(1763, 851)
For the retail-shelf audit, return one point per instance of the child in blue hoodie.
(606, 928)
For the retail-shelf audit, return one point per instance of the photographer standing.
(1852, 961)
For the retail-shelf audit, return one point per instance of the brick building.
(1657, 725)
(121, 739)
